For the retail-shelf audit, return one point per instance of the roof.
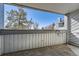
(61, 8)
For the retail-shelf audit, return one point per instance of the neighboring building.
(61, 24)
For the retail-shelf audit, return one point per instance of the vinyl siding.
(74, 28)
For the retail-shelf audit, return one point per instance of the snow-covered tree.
(18, 20)
(12, 17)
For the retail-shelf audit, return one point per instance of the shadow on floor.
(57, 50)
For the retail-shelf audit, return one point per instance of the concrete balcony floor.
(75, 49)
(57, 50)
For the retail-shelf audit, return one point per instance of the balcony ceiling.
(62, 8)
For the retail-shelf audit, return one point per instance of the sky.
(43, 18)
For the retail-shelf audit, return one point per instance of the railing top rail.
(10, 31)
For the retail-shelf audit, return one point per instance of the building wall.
(73, 27)
(61, 28)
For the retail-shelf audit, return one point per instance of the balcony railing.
(16, 40)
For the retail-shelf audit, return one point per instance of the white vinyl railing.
(11, 42)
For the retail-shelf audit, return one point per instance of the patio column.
(68, 28)
(1, 26)
(1, 15)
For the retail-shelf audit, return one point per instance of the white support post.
(1, 26)
(1, 44)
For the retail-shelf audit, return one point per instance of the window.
(18, 17)
(61, 24)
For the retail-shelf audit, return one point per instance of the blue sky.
(41, 17)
